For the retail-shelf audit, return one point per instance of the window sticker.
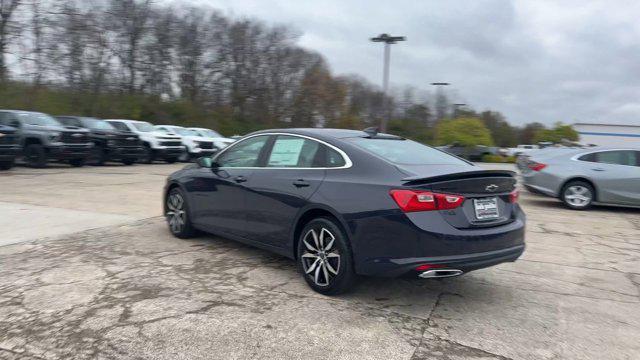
(286, 152)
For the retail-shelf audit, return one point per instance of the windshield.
(143, 126)
(97, 124)
(186, 132)
(406, 152)
(208, 133)
(38, 119)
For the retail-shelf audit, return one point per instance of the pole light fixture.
(388, 40)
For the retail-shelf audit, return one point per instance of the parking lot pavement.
(131, 290)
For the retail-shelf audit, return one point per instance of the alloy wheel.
(176, 215)
(321, 260)
(578, 195)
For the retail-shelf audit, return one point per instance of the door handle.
(300, 183)
(598, 169)
(240, 179)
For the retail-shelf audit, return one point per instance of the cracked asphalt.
(88, 270)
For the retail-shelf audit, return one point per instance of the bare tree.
(7, 32)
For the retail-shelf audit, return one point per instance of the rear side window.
(406, 152)
(588, 157)
(293, 151)
(618, 157)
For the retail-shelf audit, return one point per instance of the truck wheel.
(77, 162)
(99, 156)
(147, 155)
(128, 161)
(35, 156)
(171, 160)
(6, 165)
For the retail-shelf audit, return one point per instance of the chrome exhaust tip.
(440, 273)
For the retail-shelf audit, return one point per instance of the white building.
(609, 134)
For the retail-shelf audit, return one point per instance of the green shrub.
(498, 159)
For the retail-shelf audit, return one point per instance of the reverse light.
(417, 200)
(535, 166)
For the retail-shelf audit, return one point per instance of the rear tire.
(6, 165)
(128, 161)
(99, 156)
(35, 156)
(324, 257)
(176, 212)
(171, 160)
(578, 195)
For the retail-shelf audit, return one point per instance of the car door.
(219, 199)
(293, 170)
(616, 174)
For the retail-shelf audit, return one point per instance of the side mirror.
(204, 161)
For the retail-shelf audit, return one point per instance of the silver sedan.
(583, 177)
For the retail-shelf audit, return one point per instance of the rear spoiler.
(459, 175)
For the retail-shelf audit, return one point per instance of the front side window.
(119, 125)
(406, 152)
(244, 154)
(618, 157)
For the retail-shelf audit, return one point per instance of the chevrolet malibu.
(344, 203)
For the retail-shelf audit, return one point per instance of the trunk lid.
(485, 192)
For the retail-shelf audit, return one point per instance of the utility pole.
(388, 40)
(456, 107)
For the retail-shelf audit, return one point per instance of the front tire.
(128, 161)
(171, 160)
(578, 195)
(177, 215)
(35, 156)
(147, 155)
(324, 257)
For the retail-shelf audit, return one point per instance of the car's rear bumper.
(393, 245)
(541, 182)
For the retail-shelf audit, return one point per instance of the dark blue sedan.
(344, 203)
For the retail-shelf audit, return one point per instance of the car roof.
(326, 133)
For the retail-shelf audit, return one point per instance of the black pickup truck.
(9, 146)
(110, 144)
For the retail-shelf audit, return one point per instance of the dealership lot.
(88, 269)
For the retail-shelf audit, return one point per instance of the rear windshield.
(406, 152)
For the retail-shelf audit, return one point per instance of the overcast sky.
(532, 60)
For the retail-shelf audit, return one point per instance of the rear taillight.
(535, 166)
(513, 196)
(415, 200)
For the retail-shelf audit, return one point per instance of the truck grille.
(8, 139)
(128, 141)
(74, 138)
(206, 145)
(170, 143)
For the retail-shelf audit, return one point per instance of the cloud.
(533, 60)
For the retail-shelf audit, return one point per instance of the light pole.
(441, 100)
(456, 107)
(387, 40)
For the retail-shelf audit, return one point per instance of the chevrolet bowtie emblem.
(492, 187)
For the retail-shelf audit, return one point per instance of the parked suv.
(9, 146)
(43, 138)
(155, 144)
(219, 141)
(109, 143)
(195, 144)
